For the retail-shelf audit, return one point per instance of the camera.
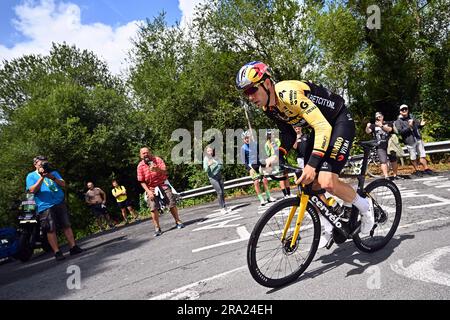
(148, 161)
(46, 166)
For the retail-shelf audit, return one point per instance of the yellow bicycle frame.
(304, 198)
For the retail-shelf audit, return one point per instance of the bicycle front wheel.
(274, 262)
(387, 205)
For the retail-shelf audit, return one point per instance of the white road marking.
(186, 292)
(430, 178)
(423, 222)
(220, 225)
(242, 232)
(424, 269)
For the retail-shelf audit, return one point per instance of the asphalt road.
(207, 259)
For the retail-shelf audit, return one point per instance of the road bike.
(281, 248)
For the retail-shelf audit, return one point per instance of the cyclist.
(304, 103)
(249, 156)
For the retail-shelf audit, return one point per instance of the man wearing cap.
(382, 131)
(408, 127)
(47, 186)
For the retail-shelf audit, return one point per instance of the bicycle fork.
(304, 198)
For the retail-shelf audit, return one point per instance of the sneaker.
(367, 219)
(180, 225)
(263, 203)
(271, 199)
(428, 171)
(324, 239)
(224, 211)
(75, 250)
(158, 232)
(59, 256)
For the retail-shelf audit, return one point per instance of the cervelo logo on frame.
(334, 220)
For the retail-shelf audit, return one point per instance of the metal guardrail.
(431, 147)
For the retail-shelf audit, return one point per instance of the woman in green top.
(213, 167)
(271, 148)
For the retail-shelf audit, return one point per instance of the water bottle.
(334, 205)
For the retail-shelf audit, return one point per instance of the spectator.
(151, 173)
(213, 167)
(300, 145)
(120, 193)
(96, 199)
(271, 148)
(47, 186)
(408, 127)
(249, 156)
(382, 132)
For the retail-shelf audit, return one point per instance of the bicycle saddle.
(368, 144)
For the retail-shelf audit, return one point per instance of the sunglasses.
(404, 109)
(252, 90)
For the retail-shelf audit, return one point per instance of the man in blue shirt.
(47, 186)
(249, 157)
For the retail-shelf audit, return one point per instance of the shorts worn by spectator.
(47, 186)
(151, 173)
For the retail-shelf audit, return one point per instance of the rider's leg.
(331, 183)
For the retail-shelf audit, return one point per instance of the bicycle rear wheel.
(387, 203)
(272, 262)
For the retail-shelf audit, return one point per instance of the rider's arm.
(322, 129)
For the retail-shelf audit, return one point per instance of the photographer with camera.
(47, 186)
(151, 173)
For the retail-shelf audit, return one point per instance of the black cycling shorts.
(341, 141)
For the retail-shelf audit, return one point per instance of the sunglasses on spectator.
(252, 90)
(404, 109)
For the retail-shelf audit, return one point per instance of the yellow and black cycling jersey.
(307, 104)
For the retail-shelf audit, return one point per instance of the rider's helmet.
(251, 74)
